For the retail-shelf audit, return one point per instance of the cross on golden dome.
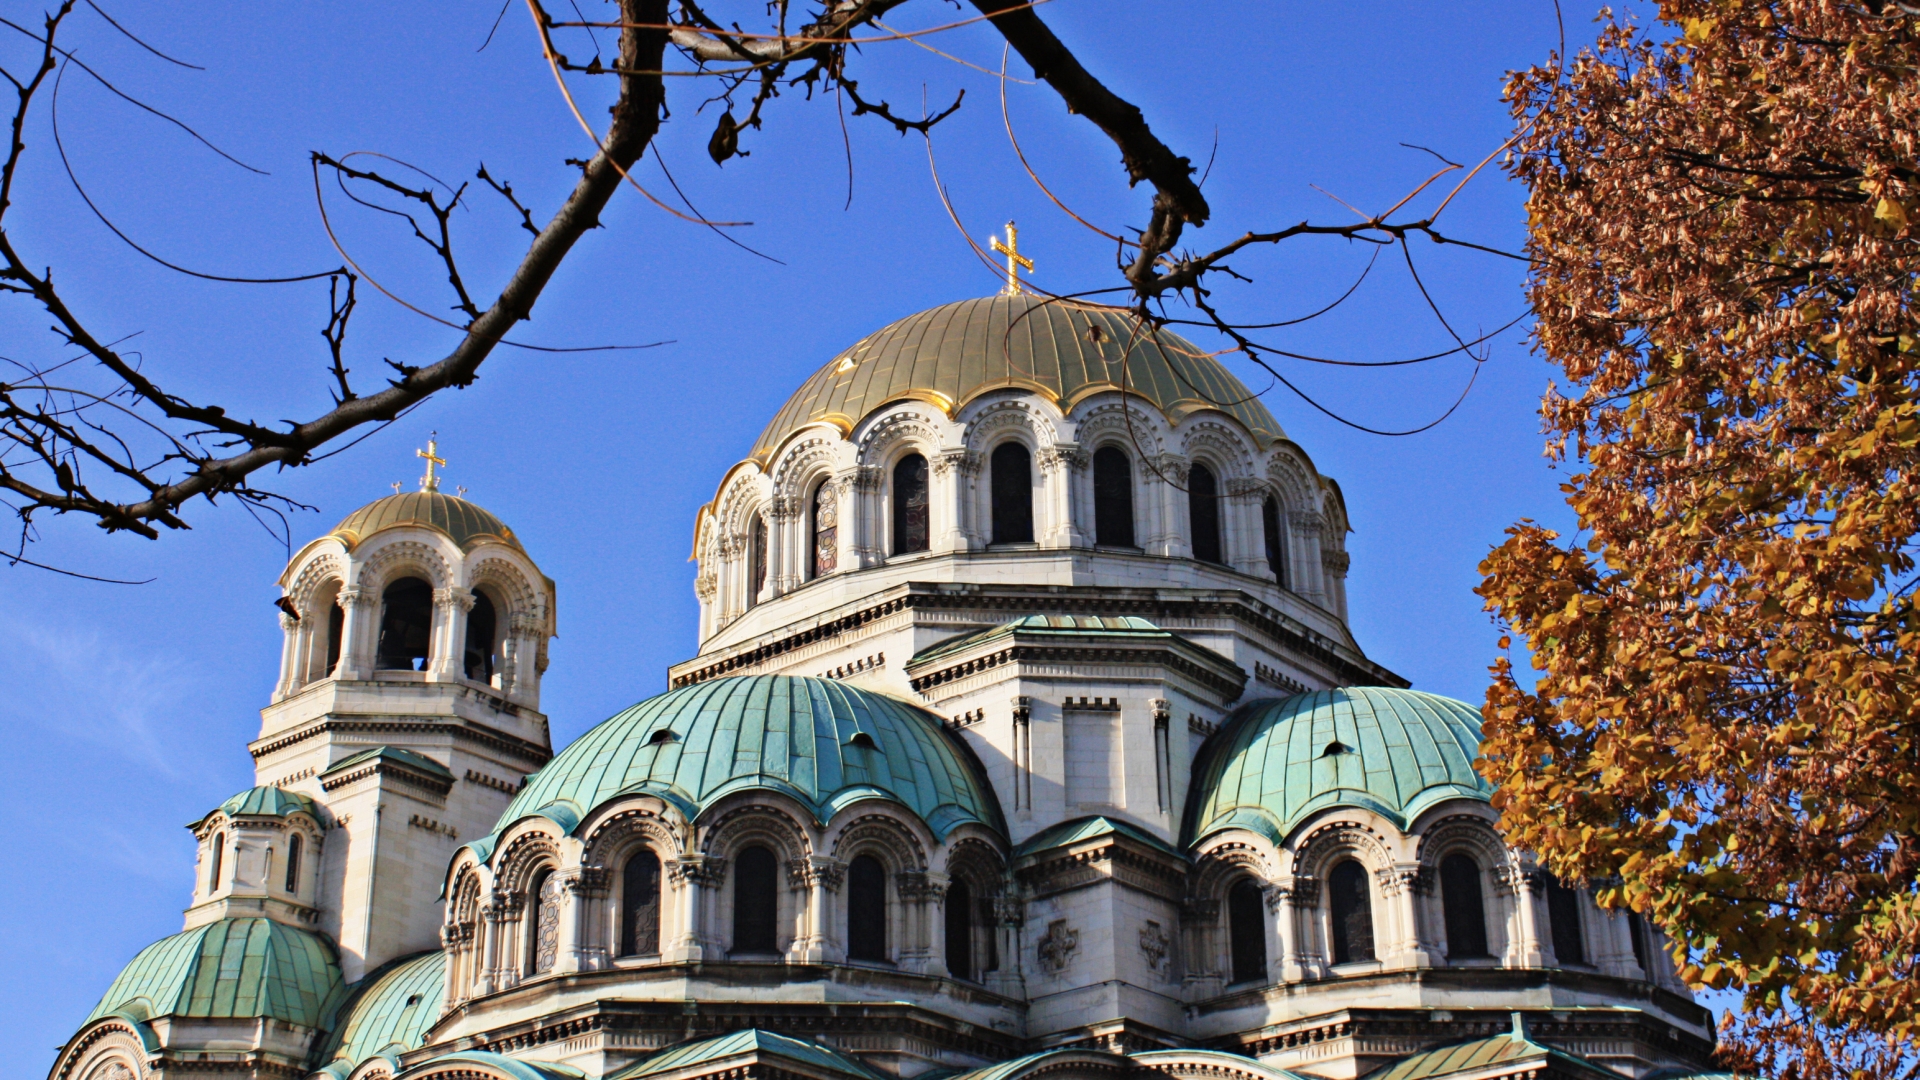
(1015, 260)
(431, 482)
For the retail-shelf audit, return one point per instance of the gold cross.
(431, 482)
(1015, 260)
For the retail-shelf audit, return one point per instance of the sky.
(126, 709)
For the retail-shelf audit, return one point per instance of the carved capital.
(966, 462)
(1162, 711)
(1022, 709)
(1335, 562)
(1062, 456)
(356, 596)
(817, 870)
(591, 881)
(1306, 522)
(706, 870)
(921, 885)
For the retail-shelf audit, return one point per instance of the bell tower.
(408, 704)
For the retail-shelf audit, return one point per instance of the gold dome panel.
(1066, 350)
(463, 522)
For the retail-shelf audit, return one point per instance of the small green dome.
(230, 969)
(265, 802)
(1396, 752)
(825, 743)
(390, 1012)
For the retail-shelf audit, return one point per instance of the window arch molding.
(1229, 859)
(1320, 854)
(764, 822)
(892, 844)
(398, 559)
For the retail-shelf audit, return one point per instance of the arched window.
(219, 851)
(1012, 487)
(757, 560)
(294, 843)
(824, 556)
(1203, 513)
(1112, 498)
(336, 622)
(406, 625)
(1563, 911)
(959, 915)
(1466, 913)
(640, 905)
(1276, 549)
(1247, 927)
(1352, 904)
(866, 909)
(910, 505)
(543, 922)
(755, 902)
(482, 626)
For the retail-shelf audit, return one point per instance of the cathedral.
(1025, 735)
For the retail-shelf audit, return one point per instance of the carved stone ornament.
(1154, 945)
(1057, 946)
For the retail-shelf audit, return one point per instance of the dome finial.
(431, 482)
(1015, 260)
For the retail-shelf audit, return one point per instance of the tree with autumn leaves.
(1720, 728)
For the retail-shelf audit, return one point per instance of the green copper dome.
(390, 1012)
(230, 969)
(1065, 350)
(822, 742)
(1396, 752)
(265, 802)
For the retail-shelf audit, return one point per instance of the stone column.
(497, 968)
(1061, 467)
(695, 878)
(450, 607)
(584, 946)
(292, 671)
(1310, 955)
(1162, 711)
(820, 877)
(923, 945)
(1200, 926)
(953, 472)
(1333, 565)
(357, 631)
(1246, 548)
(1306, 526)
(1172, 539)
(1403, 885)
(1285, 896)
(1010, 913)
(1022, 755)
(1525, 886)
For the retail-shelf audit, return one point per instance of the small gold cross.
(1015, 260)
(431, 482)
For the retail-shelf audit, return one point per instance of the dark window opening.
(1203, 513)
(1466, 912)
(755, 902)
(406, 626)
(825, 553)
(757, 559)
(959, 930)
(866, 909)
(293, 864)
(640, 905)
(219, 854)
(1637, 930)
(1352, 905)
(1270, 523)
(1112, 498)
(336, 622)
(1563, 911)
(482, 624)
(910, 505)
(1247, 926)
(1012, 487)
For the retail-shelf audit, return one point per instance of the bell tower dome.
(408, 704)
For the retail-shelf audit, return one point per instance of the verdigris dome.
(822, 742)
(1065, 350)
(1395, 752)
(389, 1014)
(266, 802)
(463, 522)
(230, 969)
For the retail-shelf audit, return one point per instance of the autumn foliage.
(1724, 223)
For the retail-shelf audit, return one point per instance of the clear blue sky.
(126, 710)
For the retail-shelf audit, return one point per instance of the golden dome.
(1064, 350)
(463, 522)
